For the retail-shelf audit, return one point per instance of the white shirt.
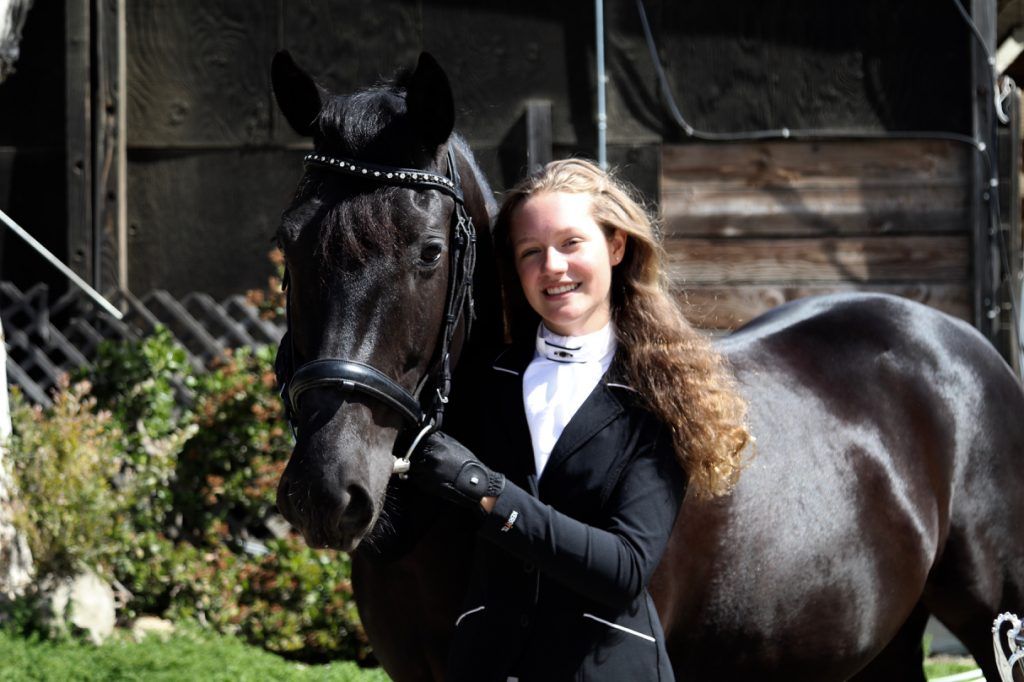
(563, 372)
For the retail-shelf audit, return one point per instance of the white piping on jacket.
(628, 388)
(471, 611)
(618, 627)
(502, 369)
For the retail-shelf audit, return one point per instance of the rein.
(357, 377)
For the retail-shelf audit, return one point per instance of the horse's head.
(368, 262)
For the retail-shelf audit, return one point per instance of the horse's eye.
(431, 253)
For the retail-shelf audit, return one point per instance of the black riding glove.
(444, 466)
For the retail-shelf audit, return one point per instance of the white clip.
(402, 464)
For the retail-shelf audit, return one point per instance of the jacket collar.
(517, 357)
(602, 406)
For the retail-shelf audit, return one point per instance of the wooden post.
(1011, 227)
(982, 116)
(538, 133)
(528, 143)
(78, 136)
(110, 210)
(95, 127)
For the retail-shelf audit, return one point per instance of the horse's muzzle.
(328, 516)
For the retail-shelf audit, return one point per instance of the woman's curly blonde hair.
(678, 374)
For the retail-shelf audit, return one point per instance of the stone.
(146, 626)
(84, 602)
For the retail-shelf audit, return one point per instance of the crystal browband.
(388, 175)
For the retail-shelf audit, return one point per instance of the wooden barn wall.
(211, 163)
(751, 226)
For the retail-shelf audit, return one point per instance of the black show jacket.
(558, 589)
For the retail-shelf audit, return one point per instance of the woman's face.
(565, 261)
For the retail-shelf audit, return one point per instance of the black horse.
(887, 479)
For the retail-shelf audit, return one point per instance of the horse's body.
(885, 485)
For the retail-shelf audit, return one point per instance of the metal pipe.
(602, 114)
(65, 270)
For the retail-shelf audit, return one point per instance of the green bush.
(62, 461)
(164, 480)
(241, 446)
(144, 385)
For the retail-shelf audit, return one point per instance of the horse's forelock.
(349, 125)
(358, 228)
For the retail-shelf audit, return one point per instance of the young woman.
(605, 409)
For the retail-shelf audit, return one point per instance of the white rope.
(56, 262)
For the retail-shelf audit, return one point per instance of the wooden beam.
(538, 133)
(1009, 339)
(528, 143)
(818, 260)
(983, 13)
(78, 134)
(110, 270)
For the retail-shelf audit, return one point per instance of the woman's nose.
(554, 261)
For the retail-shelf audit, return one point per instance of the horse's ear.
(299, 98)
(429, 102)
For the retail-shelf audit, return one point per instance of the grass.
(198, 656)
(940, 666)
(206, 656)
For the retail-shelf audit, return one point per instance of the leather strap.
(349, 375)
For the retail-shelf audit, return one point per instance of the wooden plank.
(813, 164)
(78, 137)
(725, 307)
(197, 72)
(349, 44)
(855, 259)
(719, 211)
(499, 55)
(801, 188)
(205, 221)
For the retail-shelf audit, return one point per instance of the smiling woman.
(564, 261)
(577, 528)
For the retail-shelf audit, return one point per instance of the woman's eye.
(431, 253)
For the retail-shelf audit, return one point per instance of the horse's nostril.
(358, 511)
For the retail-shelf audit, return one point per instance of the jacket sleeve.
(613, 563)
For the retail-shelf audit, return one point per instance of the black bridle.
(358, 377)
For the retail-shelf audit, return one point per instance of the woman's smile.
(563, 289)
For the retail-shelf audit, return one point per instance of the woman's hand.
(443, 466)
